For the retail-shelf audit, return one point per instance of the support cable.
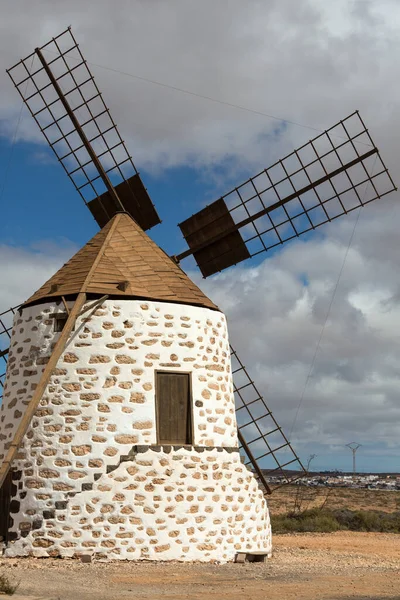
(197, 95)
(328, 312)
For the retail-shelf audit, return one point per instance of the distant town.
(377, 481)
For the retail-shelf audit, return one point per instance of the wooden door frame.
(190, 392)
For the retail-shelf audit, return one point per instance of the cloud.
(24, 270)
(312, 62)
(335, 362)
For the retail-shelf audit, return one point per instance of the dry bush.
(7, 587)
(325, 520)
(284, 500)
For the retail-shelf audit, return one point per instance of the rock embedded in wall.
(98, 405)
(159, 504)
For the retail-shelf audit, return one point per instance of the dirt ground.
(283, 499)
(304, 567)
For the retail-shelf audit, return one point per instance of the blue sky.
(41, 203)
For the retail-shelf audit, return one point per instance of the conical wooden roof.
(121, 260)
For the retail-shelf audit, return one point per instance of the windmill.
(119, 369)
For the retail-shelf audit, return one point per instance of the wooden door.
(174, 419)
(5, 499)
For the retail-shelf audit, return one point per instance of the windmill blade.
(336, 172)
(264, 445)
(6, 319)
(61, 94)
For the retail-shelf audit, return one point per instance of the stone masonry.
(90, 477)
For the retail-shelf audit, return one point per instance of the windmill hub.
(133, 451)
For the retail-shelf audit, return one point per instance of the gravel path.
(304, 567)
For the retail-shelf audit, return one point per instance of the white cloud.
(312, 62)
(24, 270)
(308, 61)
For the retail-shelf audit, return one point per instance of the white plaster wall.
(100, 402)
(122, 344)
(30, 347)
(162, 504)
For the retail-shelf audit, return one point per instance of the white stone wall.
(161, 504)
(97, 420)
(30, 347)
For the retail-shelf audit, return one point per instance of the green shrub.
(368, 520)
(6, 586)
(323, 520)
(308, 520)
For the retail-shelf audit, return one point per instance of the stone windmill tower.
(121, 424)
(133, 450)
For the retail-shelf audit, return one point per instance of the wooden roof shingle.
(121, 260)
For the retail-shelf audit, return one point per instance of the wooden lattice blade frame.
(333, 174)
(262, 441)
(62, 96)
(6, 323)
